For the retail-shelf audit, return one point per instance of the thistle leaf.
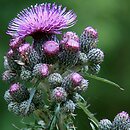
(103, 80)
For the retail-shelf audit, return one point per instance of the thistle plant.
(48, 75)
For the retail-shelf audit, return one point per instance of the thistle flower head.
(51, 48)
(121, 118)
(70, 35)
(121, 121)
(72, 45)
(42, 18)
(59, 94)
(41, 70)
(96, 56)
(14, 87)
(90, 32)
(76, 78)
(105, 124)
(18, 92)
(55, 79)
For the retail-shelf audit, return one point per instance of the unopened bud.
(18, 92)
(55, 79)
(41, 70)
(69, 106)
(95, 56)
(105, 124)
(59, 94)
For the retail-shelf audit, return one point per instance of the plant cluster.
(47, 76)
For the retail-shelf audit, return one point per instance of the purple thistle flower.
(44, 70)
(69, 36)
(76, 79)
(43, 18)
(59, 94)
(72, 46)
(51, 48)
(91, 32)
(15, 87)
(18, 92)
(41, 70)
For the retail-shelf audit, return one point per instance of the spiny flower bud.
(94, 69)
(41, 70)
(51, 48)
(55, 79)
(72, 46)
(18, 92)
(70, 50)
(33, 57)
(23, 106)
(69, 106)
(76, 79)
(59, 94)
(69, 36)
(68, 59)
(88, 39)
(71, 81)
(90, 32)
(9, 76)
(105, 124)
(14, 107)
(95, 56)
(121, 120)
(8, 98)
(82, 58)
(25, 75)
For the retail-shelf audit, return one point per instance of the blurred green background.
(112, 20)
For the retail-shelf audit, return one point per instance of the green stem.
(90, 115)
(54, 119)
(61, 122)
(32, 92)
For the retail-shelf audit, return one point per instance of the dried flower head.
(42, 18)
